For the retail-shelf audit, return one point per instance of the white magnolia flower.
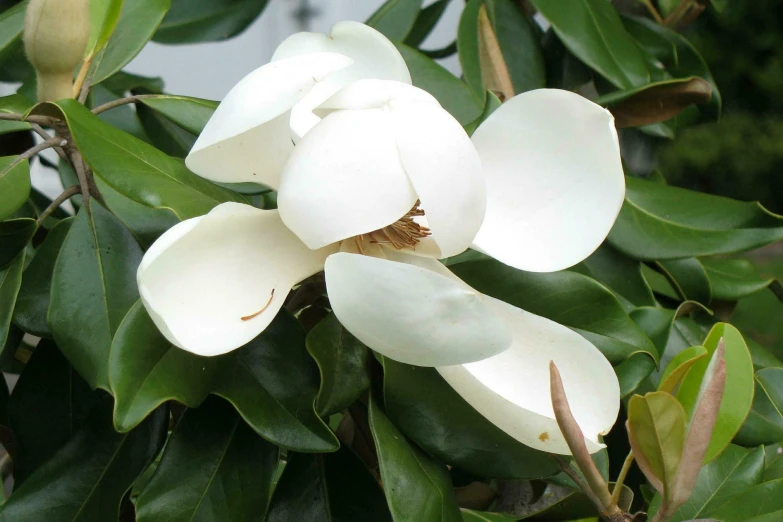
(380, 184)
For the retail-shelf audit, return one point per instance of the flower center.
(403, 233)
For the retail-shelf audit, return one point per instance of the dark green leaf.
(191, 114)
(620, 274)
(567, 298)
(334, 486)
(49, 404)
(563, 69)
(734, 472)
(427, 410)
(689, 279)
(139, 171)
(190, 21)
(10, 282)
(733, 279)
(14, 235)
(11, 26)
(416, 486)
(594, 32)
(272, 381)
(425, 22)
(517, 37)
(452, 93)
(395, 18)
(14, 103)
(491, 102)
(469, 515)
(32, 304)
(344, 364)
(138, 21)
(165, 135)
(93, 287)
(88, 477)
(658, 222)
(761, 503)
(227, 467)
(764, 424)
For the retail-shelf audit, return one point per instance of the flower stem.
(653, 11)
(618, 485)
(122, 101)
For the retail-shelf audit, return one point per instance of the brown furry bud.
(55, 38)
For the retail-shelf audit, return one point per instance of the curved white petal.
(554, 180)
(373, 54)
(374, 94)
(205, 279)
(248, 138)
(410, 313)
(444, 169)
(344, 179)
(511, 389)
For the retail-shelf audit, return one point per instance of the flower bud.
(55, 38)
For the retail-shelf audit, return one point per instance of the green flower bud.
(55, 38)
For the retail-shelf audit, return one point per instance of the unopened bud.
(55, 38)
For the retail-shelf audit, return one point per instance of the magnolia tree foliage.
(360, 288)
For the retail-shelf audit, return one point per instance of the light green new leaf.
(138, 21)
(679, 366)
(395, 18)
(593, 31)
(139, 171)
(657, 430)
(416, 486)
(220, 459)
(14, 185)
(271, 381)
(738, 395)
(658, 222)
(736, 470)
(104, 15)
(93, 287)
(191, 21)
(764, 424)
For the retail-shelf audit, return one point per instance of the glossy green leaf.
(165, 135)
(34, 295)
(47, 379)
(192, 114)
(93, 287)
(679, 366)
(761, 503)
(689, 279)
(143, 174)
(738, 395)
(395, 18)
(620, 274)
(734, 472)
(104, 16)
(519, 43)
(428, 411)
(88, 477)
(593, 31)
(138, 21)
(190, 21)
(468, 515)
(733, 279)
(10, 282)
(11, 27)
(344, 364)
(416, 486)
(221, 460)
(452, 93)
(425, 22)
(567, 298)
(657, 429)
(14, 185)
(14, 235)
(333, 486)
(659, 222)
(764, 424)
(271, 381)
(14, 103)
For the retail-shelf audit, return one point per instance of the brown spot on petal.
(251, 316)
(544, 437)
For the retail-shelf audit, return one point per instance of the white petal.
(411, 314)
(554, 180)
(344, 179)
(374, 94)
(373, 54)
(444, 169)
(202, 277)
(248, 138)
(511, 389)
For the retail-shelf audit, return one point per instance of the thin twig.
(59, 200)
(41, 120)
(618, 485)
(81, 174)
(653, 11)
(679, 11)
(571, 472)
(48, 144)
(122, 101)
(46, 136)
